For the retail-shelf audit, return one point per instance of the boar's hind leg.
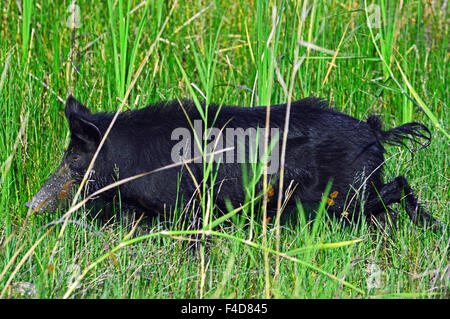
(395, 192)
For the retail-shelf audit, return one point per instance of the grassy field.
(373, 57)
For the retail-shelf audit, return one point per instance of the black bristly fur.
(323, 145)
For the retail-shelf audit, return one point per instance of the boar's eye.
(76, 157)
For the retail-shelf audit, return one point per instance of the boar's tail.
(413, 132)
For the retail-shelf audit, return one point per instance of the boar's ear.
(81, 126)
(75, 107)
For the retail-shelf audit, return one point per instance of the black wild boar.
(323, 145)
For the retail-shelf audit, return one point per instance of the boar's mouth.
(55, 191)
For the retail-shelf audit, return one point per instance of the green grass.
(235, 53)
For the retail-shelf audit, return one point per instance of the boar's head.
(85, 138)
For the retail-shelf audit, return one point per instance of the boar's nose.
(36, 204)
(30, 204)
(55, 190)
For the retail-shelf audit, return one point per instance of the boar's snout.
(55, 191)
